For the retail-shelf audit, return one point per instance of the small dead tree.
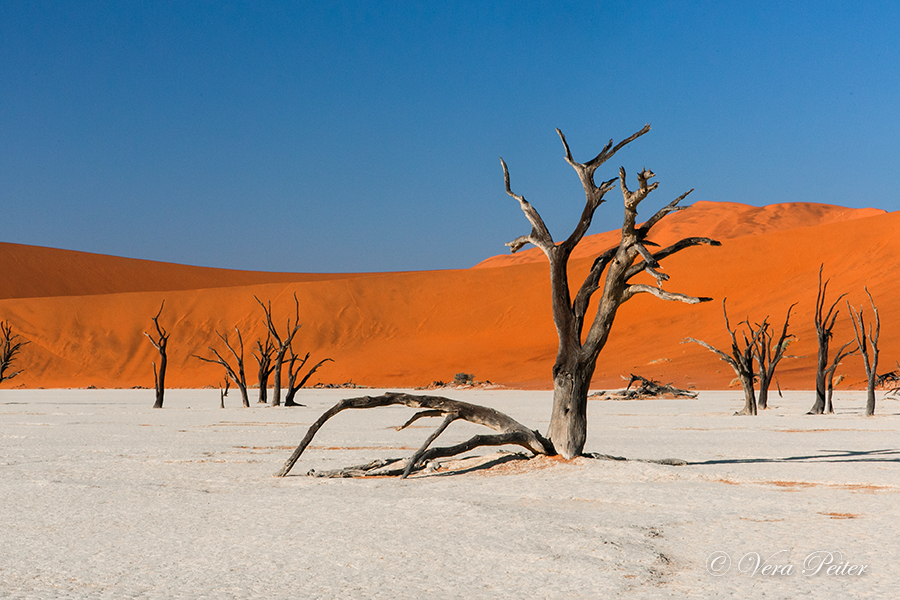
(263, 355)
(741, 358)
(577, 352)
(294, 384)
(867, 344)
(160, 343)
(9, 349)
(223, 391)
(842, 353)
(768, 355)
(281, 345)
(236, 373)
(824, 325)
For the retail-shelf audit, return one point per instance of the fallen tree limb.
(510, 430)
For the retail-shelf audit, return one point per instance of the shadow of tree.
(832, 456)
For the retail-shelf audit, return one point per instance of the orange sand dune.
(33, 272)
(718, 220)
(407, 329)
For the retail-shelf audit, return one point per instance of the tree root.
(510, 431)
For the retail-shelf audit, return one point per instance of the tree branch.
(540, 235)
(642, 288)
(481, 415)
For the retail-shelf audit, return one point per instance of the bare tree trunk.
(237, 375)
(161, 344)
(263, 356)
(568, 419)
(824, 325)
(293, 385)
(281, 345)
(867, 344)
(741, 359)
(768, 356)
(749, 397)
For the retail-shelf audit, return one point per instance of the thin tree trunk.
(276, 379)
(161, 379)
(762, 401)
(870, 395)
(821, 380)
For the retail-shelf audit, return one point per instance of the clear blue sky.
(331, 136)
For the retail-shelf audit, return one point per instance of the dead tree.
(223, 391)
(263, 355)
(161, 343)
(867, 344)
(578, 350)
(824, 325)
(741, 358)
(651, 389)
(576, 357)
(842, 353)
(236, 373)
(293, 373)
(9, 348)
(768, 356)
(281, 345)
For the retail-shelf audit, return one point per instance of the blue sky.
(365, 136)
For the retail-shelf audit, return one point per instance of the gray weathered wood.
(511, 431)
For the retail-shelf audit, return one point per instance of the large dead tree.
(9, 349)
(741, 358)
(234, 373)
(578, 350)
(281, 344)
(867, 343)
(769, 353)
(263, 355)
(824, 325)
(161, 344)
(576, 356)
(295, 382)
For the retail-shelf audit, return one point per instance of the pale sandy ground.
(103, 497)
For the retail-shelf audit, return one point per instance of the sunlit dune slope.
(718, 220)
(408, 329)
(33, 271)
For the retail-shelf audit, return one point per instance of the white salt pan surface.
(103, 497)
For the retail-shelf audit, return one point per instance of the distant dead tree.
(824, 325)
(294, 384)
(577, 351)
(9, 348)
(281, 344)
(223, 391)
(741, 358)
(867, 344)
(842, 353)
(160, 343)
(768, 355)
(263, 355)
(233, 373)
